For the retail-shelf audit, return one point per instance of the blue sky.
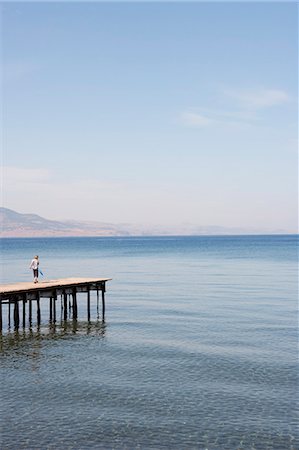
(152, 113)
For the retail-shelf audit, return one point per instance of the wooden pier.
(23, 294)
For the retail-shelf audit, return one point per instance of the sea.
(199, 349)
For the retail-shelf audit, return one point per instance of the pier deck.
(66, 288)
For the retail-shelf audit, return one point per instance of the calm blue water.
(198, 351)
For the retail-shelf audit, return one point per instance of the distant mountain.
(14, 224)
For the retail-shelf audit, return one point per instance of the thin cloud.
(217, 119)
(195, 120)
(244, 106)
(258, 98)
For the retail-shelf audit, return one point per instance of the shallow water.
(198, 351)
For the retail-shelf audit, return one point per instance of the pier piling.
(51, 309)
(30, 313)
(38, 309)
(88, 305)
(54, 307)
(24, 311)
(16, 314)
(64, 306)
(103, 305)
(75, 306)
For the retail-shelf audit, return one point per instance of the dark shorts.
(35, 272)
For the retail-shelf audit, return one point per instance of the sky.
(151, 113)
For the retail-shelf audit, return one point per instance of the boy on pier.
(34, 266)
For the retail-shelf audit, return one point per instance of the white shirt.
(34, 264)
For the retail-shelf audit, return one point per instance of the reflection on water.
(31, 338)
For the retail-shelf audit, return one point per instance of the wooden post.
(16, 314)
(97, 302)
(75, 306)
(30, 313)
(8, 313)
(88, 304)
(103, 304)
(0, 316)
(38, 309)
(54, 307)
(24, 311)
(65, 306)
(61, 307)
(51, 309)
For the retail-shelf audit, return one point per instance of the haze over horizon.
(15, 224)
(152, 113)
